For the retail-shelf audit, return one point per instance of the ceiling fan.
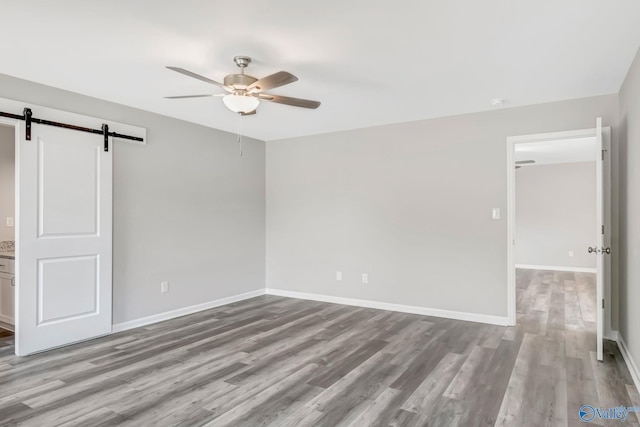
(243, 92)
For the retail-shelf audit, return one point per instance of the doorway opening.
(558, 230)
(555, 215)
(7, 234)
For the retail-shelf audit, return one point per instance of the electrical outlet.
(338, 275)
(164, 287)
(365, 278)
(570, 253)
(10, 221)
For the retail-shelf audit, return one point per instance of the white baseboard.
(7, 325)
(611, 335)
(7, 320)
(631, 364)
(131, 324)
(457, 315)
(556, 268)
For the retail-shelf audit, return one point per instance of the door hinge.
(602, 302)
(603, 230)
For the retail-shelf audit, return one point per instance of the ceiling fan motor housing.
(239, 81)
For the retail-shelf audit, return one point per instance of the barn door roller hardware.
(28, 118)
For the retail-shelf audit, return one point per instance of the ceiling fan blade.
(296, 102)
(187, 96)
(250, 113)
(199, 77)
(278, 79)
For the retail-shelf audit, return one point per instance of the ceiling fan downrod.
(242, 62)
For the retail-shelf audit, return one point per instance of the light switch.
(495, 213)
(365, 278)
(338, 275)
(9, 221)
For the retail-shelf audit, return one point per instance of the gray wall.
(555, 214)
(409, 204)
(630, 209)
(7, 181)
(187, 208)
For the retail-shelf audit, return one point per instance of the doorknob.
(599, 250)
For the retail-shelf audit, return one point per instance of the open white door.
(64, 239)
(600, 250)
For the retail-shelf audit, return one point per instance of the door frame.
(511, 219)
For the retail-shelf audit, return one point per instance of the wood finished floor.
(286, 362)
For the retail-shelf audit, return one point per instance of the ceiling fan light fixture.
(240, 103)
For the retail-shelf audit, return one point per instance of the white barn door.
(64, 239)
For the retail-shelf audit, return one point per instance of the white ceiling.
(561, 151)
(370, 62)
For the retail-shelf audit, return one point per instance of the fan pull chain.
(239, 136)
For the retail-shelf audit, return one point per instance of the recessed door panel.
(68, 190)
(68, 288)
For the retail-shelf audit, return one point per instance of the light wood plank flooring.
(286, 362)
